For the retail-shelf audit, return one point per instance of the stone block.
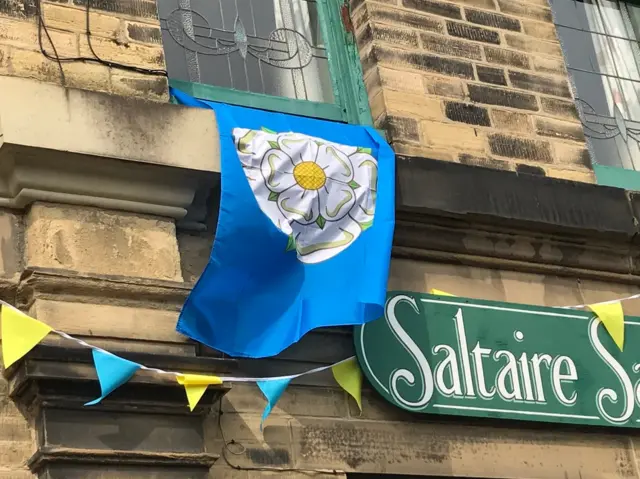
(400, 128)
(542, 84)
(18, 8)
(486, 4)
(444, 87)
(434, 7)
(90, 240)
(524, 169)
(11, 236)
(422, 62)
(484, 162)
(555, 66)
(389, 34)
(395, 16)
(145, 56)
(452, 136)
(466, 113)
(571, 155)
(572, 175)
(541, 30)
(377, 105)
(533, 45)
(524, 10)
(448, 46)
(469, 32)
(424, 151)
(73, 19)
(24, 34)
(502, 97)
(143, 33)
(559, 108)
(491, 75)
(140, 85)
(522, 148)
(559, 129)
(416, 106)
(109, 321)
(511, 121)
(495, 20)
(506, 57)
(17, 473)
(400, 80)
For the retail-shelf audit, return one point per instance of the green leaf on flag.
(273, 196)
(321, 222)
(366, 225)
(353, 184)
(368, 151)
(273, 144)
(291, 244)
(267, 130)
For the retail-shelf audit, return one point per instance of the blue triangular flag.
(272, 390)
(304, 231)
(113, 371)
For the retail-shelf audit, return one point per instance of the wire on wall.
(42, 28)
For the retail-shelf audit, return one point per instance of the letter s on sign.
(412, 348)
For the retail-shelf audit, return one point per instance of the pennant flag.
(20, 334)
(321, 201)
(437, 292)
(195, 386)
(272, 390)
(612, 316)
(113, 371)
(349, 376)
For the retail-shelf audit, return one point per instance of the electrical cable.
(96, 59)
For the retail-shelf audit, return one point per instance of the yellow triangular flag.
(195, 386)
(612, 316)
(349, 377)
(437, 292)
(20, 334)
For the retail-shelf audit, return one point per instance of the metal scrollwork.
(285, 48)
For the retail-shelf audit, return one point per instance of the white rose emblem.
(321, 194)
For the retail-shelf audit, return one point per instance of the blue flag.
(272, 390)
(112, 371)
(304, 231)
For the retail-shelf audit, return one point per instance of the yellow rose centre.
(309, 175)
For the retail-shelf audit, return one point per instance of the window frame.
(606, 175)
(351, 99)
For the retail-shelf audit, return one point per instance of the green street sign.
(466, 357)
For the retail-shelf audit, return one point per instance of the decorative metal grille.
(600, 42)
(273, 47)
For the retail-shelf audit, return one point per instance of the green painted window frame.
(351, 99)
(616, 177)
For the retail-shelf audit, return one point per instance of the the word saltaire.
(460, 372)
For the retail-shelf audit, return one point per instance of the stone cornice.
(85, 148)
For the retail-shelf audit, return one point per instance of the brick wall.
(122, 31)
(480, 82)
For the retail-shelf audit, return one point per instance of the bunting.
(113, 371)
(272, 390)
(195, 386)
(612, 316)
(349, 376)
(20, 334)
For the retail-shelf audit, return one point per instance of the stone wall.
(122, 31)
(479, 82)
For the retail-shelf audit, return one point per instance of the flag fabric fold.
(304, 231)
(195, 385)
(612, 316)
(272, 391)
(349, 376)
(20, 334)
(113, 371)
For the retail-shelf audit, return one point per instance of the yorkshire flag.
(304, 231)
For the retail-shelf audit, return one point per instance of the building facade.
(514, 125)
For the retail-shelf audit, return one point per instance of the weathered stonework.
(500, 58)
(122, 31)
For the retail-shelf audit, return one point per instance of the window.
(285, 55)
(600, 42)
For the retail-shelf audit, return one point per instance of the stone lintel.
(71, 146)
